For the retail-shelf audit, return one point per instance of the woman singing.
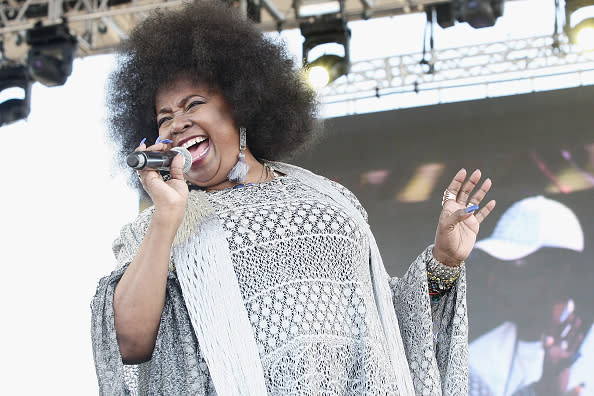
(250, 276)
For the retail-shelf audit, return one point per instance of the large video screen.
(531, 275)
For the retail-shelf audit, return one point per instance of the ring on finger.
(447, 195)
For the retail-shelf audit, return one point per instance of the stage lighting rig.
(477, 13)
(329, 33)
(50, 57)
(14, 78)
(579, 23)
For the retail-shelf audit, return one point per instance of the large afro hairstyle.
(210, 42)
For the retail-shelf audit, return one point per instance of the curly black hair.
(209, 42)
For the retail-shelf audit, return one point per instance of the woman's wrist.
(440, 277)
(167, 220)
(445, 259)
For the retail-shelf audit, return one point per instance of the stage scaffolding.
(100, 25)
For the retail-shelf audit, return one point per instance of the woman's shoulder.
(140, 223)
(348, 194)
(131, 235)
(305, 175)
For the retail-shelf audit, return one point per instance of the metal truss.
(488, 63)
(100, 25)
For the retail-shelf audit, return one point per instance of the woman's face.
(198, 118)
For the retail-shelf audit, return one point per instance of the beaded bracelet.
(441, 278)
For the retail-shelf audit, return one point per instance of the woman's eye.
(194, 104)
(162, 121)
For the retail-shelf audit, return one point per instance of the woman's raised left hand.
(458, 224)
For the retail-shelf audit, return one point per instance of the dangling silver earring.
(240, 170)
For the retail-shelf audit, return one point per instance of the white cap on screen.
(530, 224)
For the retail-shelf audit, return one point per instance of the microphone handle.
(160, 160)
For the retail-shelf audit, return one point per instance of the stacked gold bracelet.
(441, 278)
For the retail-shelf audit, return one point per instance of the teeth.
(193, 141)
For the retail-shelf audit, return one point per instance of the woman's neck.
(261, 173)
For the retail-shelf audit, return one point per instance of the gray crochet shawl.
(427, 345)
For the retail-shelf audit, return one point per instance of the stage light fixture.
(50, 57)
(325, 34)
(579, 23)
(14, 79)
(326, 69)
(477, 13)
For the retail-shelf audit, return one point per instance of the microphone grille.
(187, 157)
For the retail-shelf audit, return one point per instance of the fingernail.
(158, 140)
(142, 142)
(166, 141)
(471, 208)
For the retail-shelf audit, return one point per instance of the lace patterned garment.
(302, 264)
(298, 258)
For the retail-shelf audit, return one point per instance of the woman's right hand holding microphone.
(169, 197)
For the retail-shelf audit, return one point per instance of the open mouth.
(197, 146)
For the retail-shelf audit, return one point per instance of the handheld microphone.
(158, 160)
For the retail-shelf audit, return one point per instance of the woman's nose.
(180, 123)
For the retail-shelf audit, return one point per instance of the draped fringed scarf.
(216, 307)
